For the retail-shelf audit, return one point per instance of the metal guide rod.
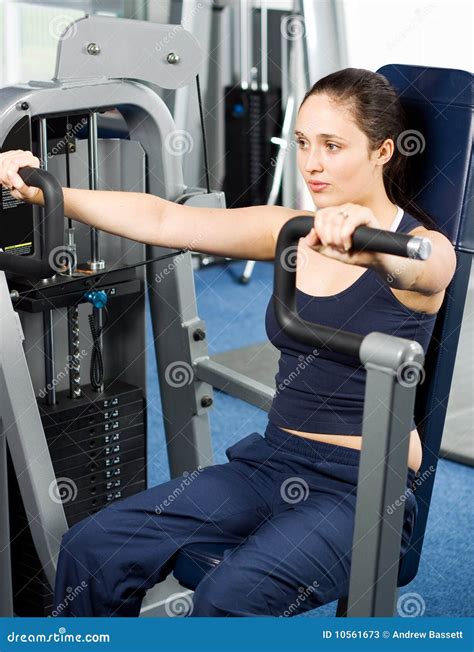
(48, 326)
(95, 262)
(264, 44)
(246, 43)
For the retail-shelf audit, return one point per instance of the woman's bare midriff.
(355, 441)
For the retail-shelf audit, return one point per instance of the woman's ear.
(385, 152)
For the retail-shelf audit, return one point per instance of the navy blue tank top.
(323, 392)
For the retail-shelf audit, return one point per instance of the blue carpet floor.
(234, 317)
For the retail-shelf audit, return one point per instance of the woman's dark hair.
(378, 113)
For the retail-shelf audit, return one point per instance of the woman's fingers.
(10, 163)
(336, 224)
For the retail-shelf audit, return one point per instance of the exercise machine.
(73, 402)
(36, 304)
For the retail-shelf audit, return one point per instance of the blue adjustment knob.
(98, 298)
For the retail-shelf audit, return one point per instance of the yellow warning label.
(24, 244)
(25, 249)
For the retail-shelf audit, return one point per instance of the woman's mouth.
(317, 187)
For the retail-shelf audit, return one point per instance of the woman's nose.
(313, 162)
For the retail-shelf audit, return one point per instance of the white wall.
(380, 32)
(423, 33)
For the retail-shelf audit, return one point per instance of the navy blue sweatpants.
(286, 503)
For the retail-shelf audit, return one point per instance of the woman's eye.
(332, 145)
(300, 142)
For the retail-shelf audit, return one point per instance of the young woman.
(284, 502)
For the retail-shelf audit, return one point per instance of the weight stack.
(252, 118)
(98, 450)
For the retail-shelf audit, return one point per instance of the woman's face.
(332, 149)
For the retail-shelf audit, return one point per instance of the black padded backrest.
(438, 104)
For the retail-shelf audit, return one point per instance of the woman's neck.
(383, 209)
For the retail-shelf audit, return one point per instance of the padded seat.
(195, 561)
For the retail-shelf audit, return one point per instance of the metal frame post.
(393, 366)
(6, 592)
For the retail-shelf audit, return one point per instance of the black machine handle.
(39, 266)
(367, 238)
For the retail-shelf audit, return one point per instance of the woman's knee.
(87, 538)
(229, 594)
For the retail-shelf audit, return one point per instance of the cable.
(97, 362)
(204, 139)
